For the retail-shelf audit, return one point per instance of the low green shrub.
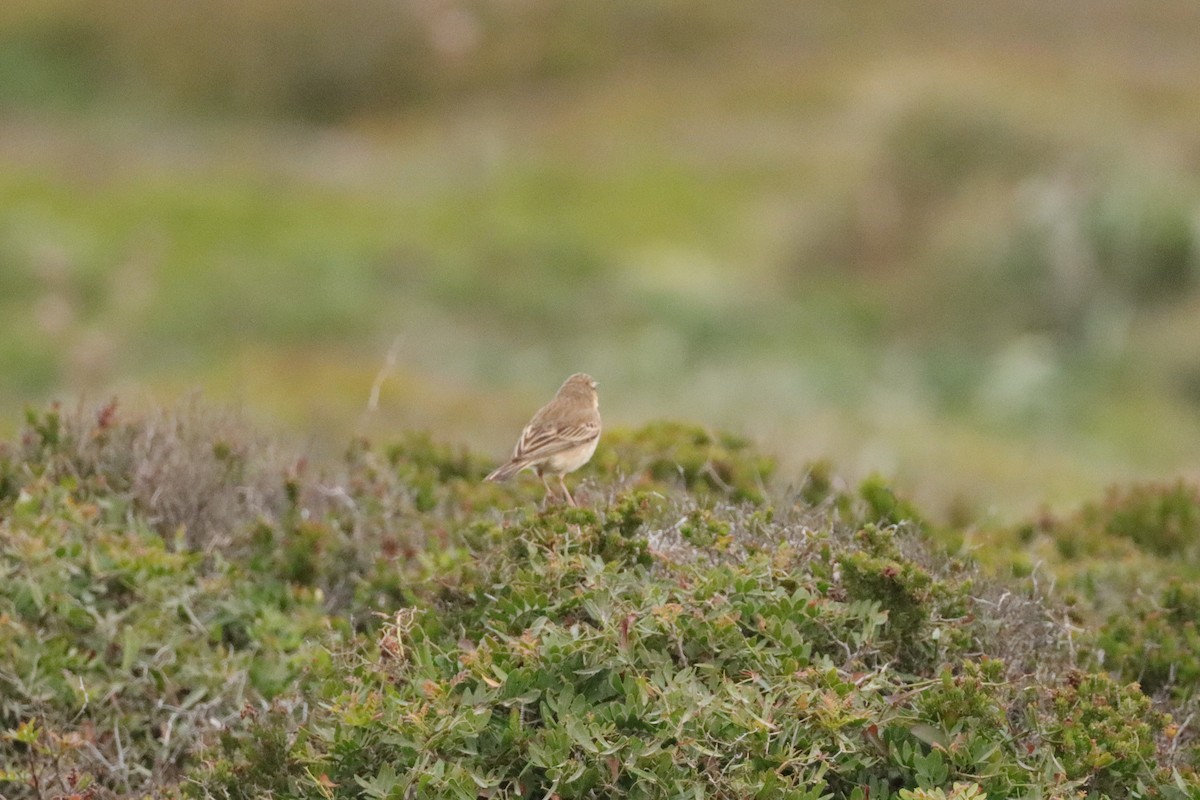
(921, 610)
(1161, 519)
(685, 456)
(1155, 641)
(117, 655)
(1103, 733)
(196, 475)
(395, 627)
(696, 652)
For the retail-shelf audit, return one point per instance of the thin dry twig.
(385, 371)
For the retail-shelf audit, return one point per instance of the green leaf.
(381, 785)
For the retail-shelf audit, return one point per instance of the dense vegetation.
(189, 610)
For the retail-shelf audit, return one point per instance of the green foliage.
(1164, 520)
(398, 628)
(916, 603)
(1135, 534)
(1102, 732)
(875, 502)
(743, 665)
(191, 473)
(1154, 641)
(124, 654)
(687, 456)
(960, 791)
(883, 506)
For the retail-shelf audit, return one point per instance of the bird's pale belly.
(573, 459)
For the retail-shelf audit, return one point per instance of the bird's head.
(580, 384)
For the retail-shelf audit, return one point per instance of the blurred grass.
(958, 245)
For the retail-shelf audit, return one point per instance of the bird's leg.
(563, 484)
(549, 491)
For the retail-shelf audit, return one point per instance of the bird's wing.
(543, 439)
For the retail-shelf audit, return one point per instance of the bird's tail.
(506, 471)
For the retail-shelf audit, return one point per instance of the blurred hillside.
(958, 245)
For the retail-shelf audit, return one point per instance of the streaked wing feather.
(542, 441)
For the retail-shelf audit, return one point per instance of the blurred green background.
(958, 244)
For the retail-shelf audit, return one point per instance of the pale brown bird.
(561, 437)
